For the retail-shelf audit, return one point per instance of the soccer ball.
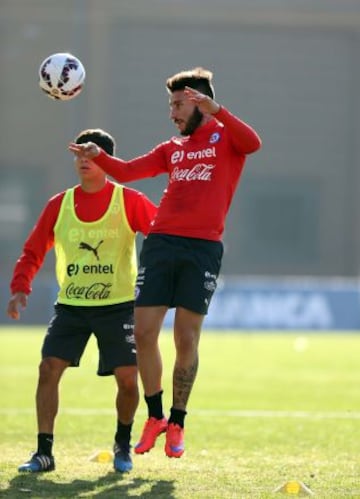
(61, 76)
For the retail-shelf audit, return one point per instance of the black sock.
(154, 405)
(123, 433)
(177, 416)
(45, 443)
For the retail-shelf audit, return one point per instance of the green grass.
(265, 409)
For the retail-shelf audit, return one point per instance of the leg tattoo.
(183, 381)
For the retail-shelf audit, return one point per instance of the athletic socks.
(123, 433)
(155, 410)
(45, 443)
(154, 405)
(177, 416)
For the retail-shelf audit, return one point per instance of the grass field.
(265, 409)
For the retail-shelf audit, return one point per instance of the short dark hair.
(99, 137)
(197, 78)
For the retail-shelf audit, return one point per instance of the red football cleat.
(174, 446)
(152, 429)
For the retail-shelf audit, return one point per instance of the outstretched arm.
(88, 150)
(149, 165)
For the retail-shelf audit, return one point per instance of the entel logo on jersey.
(75, 235)
(178, 156)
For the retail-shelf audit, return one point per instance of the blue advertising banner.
(284, 305)
(244, 304)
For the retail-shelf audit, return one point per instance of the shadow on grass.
(110, 486)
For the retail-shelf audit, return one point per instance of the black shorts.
(113, 325)
(178, 271)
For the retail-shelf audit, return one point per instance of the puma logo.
(87, 246)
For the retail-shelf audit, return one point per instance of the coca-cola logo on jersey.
(96, 291)
(201, 171)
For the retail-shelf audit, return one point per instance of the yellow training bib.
(95, 261)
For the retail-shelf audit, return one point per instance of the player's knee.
(187, 342)
(51, 369)
(127, 381)
(145, 337)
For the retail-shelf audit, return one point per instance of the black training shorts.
(113, 325)
(178, 271)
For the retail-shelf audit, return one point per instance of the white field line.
(204, 413)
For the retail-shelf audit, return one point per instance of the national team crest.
(215, 137)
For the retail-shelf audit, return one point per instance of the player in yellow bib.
(92, 228)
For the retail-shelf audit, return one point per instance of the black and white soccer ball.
(61, 76)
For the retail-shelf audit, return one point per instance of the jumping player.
(181, 258)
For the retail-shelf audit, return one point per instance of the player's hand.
(205, 103)
(17, 301)
(89, 150)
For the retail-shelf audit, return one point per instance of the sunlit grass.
(265, 409)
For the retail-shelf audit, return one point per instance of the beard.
(193, 122)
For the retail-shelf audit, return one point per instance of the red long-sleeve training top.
(203, 169)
